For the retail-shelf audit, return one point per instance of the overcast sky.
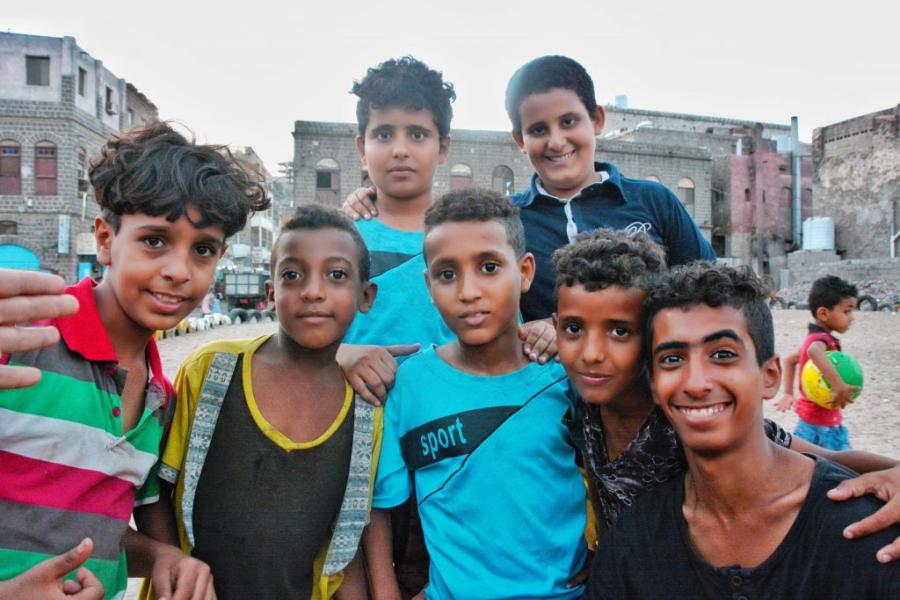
(243, 72)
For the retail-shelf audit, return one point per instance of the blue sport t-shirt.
(501, 498)
(402, 312)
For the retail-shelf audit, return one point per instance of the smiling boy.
(749, 518)
(80, 449)
(555, 122)
(477, 429)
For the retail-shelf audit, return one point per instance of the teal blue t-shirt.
(501, 498)
(402, 312)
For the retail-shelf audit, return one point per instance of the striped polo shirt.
(66, 470)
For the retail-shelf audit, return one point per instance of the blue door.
(17, 257)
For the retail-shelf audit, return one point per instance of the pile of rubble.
(874, 294)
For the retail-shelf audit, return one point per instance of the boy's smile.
(315, 285)
(401, 150)
(158, 270)
(475, 279)
(706, 378)
(599, 340)
(559, 137)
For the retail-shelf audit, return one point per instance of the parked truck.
(245, 296)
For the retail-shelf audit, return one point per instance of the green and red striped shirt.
(66, 470)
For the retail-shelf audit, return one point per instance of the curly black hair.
(154, 170)
(478, 204)
(829, 291)
(542, 75)
(314, 217)
(716, 285)
(404, 83)
(604, 257)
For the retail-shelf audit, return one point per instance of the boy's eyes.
(669, 359)
(723, 354)
(537, 130)
(569, 121)
(291, 275)
(382, 135)
(418, 134)
(620, 332)
(205, 250)
(572, 328)
(154, 241)
(490, 267)
(338, 274)
(446, 275)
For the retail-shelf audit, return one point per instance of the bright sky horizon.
(241, 73)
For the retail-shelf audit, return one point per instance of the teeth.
(560, 158)
(703, 412)
(168, 299)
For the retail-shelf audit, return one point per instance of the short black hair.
(313, 217)
(829, 291)
(544, 74)
(405, 83)
(716, 285)
(478, 204)
(154, 170)
(604, 257)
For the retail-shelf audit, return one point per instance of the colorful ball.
(816, 388)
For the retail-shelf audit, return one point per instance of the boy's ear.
(223, 250)
(444, 150)
(555, 319)
(771, 377)
(821, 313)
(270, 291)
(526, 269)
(517, 138)
(361, 149)
(103, 235)
(367, 296)
(599, 120)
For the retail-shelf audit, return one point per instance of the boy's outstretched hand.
(360, 204)
(884, 485)
(176, 576)
(785, 403)
(44, 581)
(539, 339)
(370, 370)
(29, 296)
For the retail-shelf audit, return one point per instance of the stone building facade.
(857, 183)
(327, 167)
(57, 106)
(252, 246)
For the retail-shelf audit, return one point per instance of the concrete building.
(57, 106)
(857, 183)
(327, 167)
(252, 246)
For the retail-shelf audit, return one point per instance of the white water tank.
(818, 233)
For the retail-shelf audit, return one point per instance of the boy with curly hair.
(748, 518)
(80, 449)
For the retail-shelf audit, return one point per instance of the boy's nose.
(556, 141)
(469, 289)
(314, 290)
(696, 383)
(175, 269)
(593, 351)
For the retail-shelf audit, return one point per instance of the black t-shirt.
(648, 554)
(262, 512)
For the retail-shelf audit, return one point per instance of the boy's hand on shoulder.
(27, 296)
(785, 403)
(539, 339)
(44, 581)
(884, 485)
(370, 370)
(360, 204)
(176, 576)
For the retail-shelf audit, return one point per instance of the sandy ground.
(873, 420)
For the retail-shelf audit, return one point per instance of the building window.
(82, 81)
(37, 70)
(686, 194)
(746, 194)
(82, 171)
(503, 180)
(45, 169)
(10, 168)
(130, 118)
(9, 228)
(110, 97)
(460, 176)
(328, 182)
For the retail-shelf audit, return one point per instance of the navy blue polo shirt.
(616, 202)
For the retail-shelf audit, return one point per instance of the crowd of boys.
(270, 469)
